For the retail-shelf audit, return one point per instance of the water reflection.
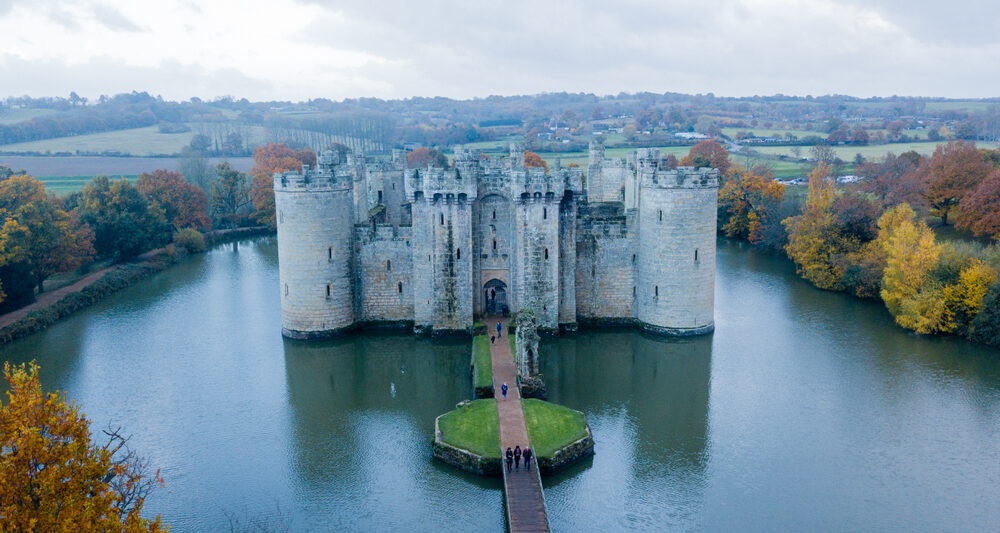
(363, 408)
(647, 400)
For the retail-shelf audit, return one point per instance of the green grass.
(63, 185)
(482, 375)
(870, 152)
(551, 426)
(474, 427)
(513, 343)
(137, 141)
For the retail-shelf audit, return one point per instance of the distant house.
(690, 135)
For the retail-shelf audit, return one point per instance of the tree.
(955, 169)
(230, 195)
(194, 168)
(630, 132)
(531, 159)
(814, 240)
(41, 237)
(708, 154)
(985, 327)
(184, 204)
(859, 136)
(979, 210)
(746, 199)
(124, 222)
(52, 478)
(909, 291)
(426, 157)
(823, 153)
(268, 160)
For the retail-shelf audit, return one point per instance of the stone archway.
(495, 297)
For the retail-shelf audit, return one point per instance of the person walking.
(517, 457)
(527, 458)
(499, 330)
(503, 390)
(510, 458)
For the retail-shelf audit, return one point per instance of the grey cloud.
(114, 19)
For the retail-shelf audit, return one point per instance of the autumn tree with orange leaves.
(953, 171)
(979, 210)
(268, 159)
(53, 478)
(531, 159)
(746, 200)
(708, 154)
(184, 204)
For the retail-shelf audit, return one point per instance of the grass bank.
(551, 426)
(473, 426)
(482, 368)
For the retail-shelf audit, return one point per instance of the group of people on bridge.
(514, 458)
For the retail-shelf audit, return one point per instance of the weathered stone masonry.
(369, 242)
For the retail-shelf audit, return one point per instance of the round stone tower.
(675, 285)
(314, 213)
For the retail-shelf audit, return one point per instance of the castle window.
(592, 271)
(695, 254)
(545, 213)
(394, 186)
(327, 290)
(656, 291)
(388, 265)
(442, 219)
(494, 214)
(633, 291)
(546, 253)
(399, 287)
(661, 215)
(286, 289)
(458, 253)
(633, 259)
(494, 244)
(380, 197)
(329, 253)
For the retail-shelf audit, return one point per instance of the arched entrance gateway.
(495, 297)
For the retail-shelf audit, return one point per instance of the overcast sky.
(299, 49)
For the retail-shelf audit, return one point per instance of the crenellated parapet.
(534, 183)
(436, 184)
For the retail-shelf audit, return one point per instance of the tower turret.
(314, 211)
(675, 286)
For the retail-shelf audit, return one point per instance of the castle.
(371, 243)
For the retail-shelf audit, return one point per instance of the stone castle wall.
(383, 273)
(676, 250)
(605, 265)
(315, 255)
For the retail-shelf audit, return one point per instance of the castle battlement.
(437, 183)
(680, 178)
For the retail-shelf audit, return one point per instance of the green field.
(482, 374)
(474, 427)
(63, 185)
(551, 426)
(138, 141)
(870, 152)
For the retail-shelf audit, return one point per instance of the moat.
(805, 410)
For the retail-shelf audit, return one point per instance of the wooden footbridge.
(523, 494)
